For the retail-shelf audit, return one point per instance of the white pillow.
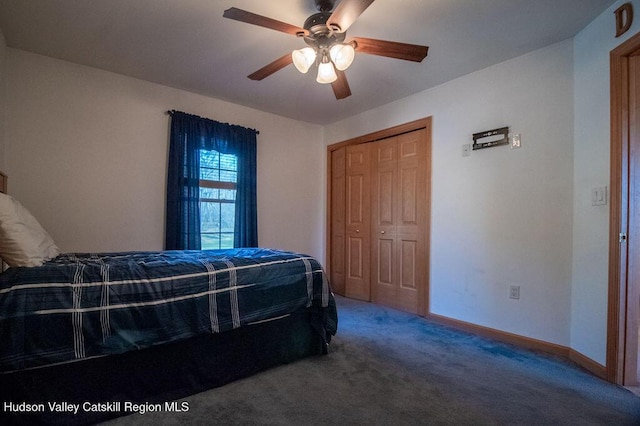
(23, 242)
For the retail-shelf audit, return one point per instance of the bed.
(89, 336)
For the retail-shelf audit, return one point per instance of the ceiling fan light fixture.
(326, 73)
(325, 33)
(342, 55)
(303, 59)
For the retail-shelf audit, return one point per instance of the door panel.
(412, 229)
(409, 292)
(358, 223)
(400, 181)
(385, 262)
(386, 181)
(337, 220)
(384, 213)
(355, 195)
(409, 146)
(409, 191)
(386, 152)
(408, 259)
(356, 253)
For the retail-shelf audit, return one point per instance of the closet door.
(384, 184)
(358, 222)
(337, 220)
(399, 222)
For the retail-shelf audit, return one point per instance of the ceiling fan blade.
(346, 13)
(263, 21)
(391, 49)
(274, 66)
(341, 86)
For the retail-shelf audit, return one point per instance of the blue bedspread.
(79, 306)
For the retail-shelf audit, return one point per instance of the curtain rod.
(171, 111)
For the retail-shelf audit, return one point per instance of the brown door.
(632, 370)
(399, 254)
(358, 222)
(337, 220)
(623, 360)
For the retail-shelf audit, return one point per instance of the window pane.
(228, 162)
(227, 217)
(210, 241)
(209, 165)
(227, 194)
(209, 159)
(228, 176)
(209, 193)
(226, 240)
(209, 217)
(217, 207)
(209, 174)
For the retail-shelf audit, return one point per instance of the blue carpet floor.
(390, 368)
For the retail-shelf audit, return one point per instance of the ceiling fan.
(325, 33)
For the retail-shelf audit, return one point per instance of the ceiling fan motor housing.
(320, 36)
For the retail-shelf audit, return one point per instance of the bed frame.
(157, 375)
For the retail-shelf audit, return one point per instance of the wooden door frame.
(619, 208)
(423, 123)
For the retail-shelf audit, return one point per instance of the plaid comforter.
(79, 306)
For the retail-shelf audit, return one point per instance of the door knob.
(382, 232)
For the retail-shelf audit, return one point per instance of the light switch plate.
(466, 150)
(599, 196)
(516, 141)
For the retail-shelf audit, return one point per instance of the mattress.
(80, 306)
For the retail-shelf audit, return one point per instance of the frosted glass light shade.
(326, 73)
(303, 59)
(342, 55)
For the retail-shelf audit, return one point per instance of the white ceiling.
(187, 44)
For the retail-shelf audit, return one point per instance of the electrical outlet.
(514, 292)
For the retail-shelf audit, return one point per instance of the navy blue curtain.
(189, 134)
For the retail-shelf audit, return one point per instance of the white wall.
(86, 152)
(591, 169)
(500, 217)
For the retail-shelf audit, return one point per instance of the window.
(218, 179)
(228, 186)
